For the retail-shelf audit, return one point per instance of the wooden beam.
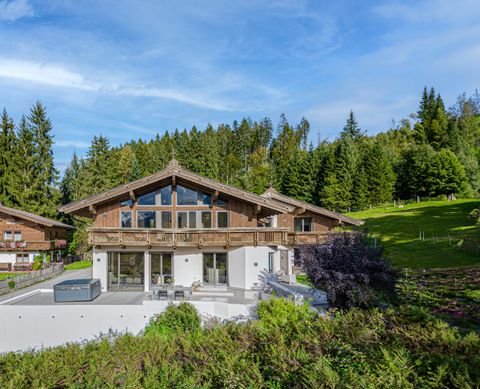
(299, 211)
(174, 180)
(132, 196)
(257, 209)
(92, 209)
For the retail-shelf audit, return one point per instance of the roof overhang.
(302, 207)
(24, 215)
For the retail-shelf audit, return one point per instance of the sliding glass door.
(161, 266)
(215, 269)
(126, 271)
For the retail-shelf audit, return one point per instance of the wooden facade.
(20, 234)
(248, 215)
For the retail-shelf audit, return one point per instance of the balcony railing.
(229, 237)
(25, 245)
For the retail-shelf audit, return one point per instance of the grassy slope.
(4, 276)
(398, 230)
(78, 265)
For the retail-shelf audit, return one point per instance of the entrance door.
(161, 266)
(215, 269)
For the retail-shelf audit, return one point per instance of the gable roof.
(32, 217)
(175, 172)
(272, 194)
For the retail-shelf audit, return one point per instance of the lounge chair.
(162, 294)
(179, 294)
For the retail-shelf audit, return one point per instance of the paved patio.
(224, 295)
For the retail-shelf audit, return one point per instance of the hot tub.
(77, 290)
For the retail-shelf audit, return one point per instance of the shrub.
(348, 269)
(475, 215)
(37, 262)
(289, 347)
(11, 284)
(183, 317)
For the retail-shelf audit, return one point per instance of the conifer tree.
(70, 184)
(46, 193)
(98, 174)
(22, 180)
(380, 174)
(351, 129)
(7, 146)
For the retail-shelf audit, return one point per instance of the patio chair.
(162, 294)
(179, 294)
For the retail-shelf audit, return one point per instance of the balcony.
(229, 237)
(32, 245)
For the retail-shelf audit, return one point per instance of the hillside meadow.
(450, 237)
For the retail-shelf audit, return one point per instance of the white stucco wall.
(8, 257)
(237, 268)
(12, 257)
(256, 263)
(100, 267)
(187, 267)
(58, 324)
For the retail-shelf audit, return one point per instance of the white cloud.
(60, 76)
(15, 9)
(72, 143)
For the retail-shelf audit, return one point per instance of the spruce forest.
(432, 153)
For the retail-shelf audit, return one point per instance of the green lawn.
(78, 265)
(398, 230)
(8, 275)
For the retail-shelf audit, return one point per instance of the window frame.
(155, 197)
(23, 256)
(302, 221)
(228, 221)
(5, 235)
(15, 233)
(161, 219)
(131, 217)
(154, 218)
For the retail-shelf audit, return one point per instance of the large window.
(146, 219)
(206, 219)
(222, 219)
(186, 196)
(126, 203)
(147, 199)
(126, 217)
(166, 195)
(126, 271)
(166, 219)
(194, 219)
(303, 224)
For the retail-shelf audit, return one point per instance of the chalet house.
(177, 227)
(23, 235)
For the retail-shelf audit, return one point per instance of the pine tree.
(380, 174)
(21, 181)
(303, 130)
(7, 146)
(445, 175)
(259, 175)
(284, 146)
(299, 178)
(351, 129)
(127, 168)
(98, 174)
(70, 184)
(45, 189)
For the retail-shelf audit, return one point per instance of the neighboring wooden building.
(177, 226)
(24, 235)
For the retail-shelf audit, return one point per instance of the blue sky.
(130, 69)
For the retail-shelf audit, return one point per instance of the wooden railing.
(229, 237)
(25, 245)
